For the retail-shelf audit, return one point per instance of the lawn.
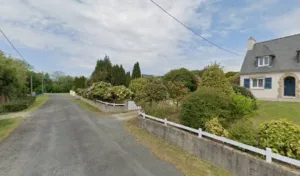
(188, 164)
(272, 110)
(8, 125)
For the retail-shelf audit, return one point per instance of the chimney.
(251, 43)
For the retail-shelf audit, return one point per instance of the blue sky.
(70, 35)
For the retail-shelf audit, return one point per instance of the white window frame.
(265, 61)
(257, 83)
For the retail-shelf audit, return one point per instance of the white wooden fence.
(132, 106)
(268, 152)
(109, 104)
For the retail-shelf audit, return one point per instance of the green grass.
(86, 106)
(39, 101)
(7, 126)
(269, 110)
(188, 164)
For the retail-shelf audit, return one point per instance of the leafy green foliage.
(281, 136)
(182, 75)
(100, 91)
(79, 82)
(214, 77)
(17, 105)
(118, 76)
(177, 91)
(242, 105)
(243, 91)
(243, 131)
(120, 93)
(214, 126)
(137, 85)
(136, 72)
(153, 91)
(204, 104)
(102, 71)
(234, 79)
(128, 79)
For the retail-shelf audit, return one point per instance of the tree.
(118, 76)
(153, 91)
(214, 77)
(137, 85)
(102, 70)
(177, 91)
(79, 82)
(182, 75)
(128, 79)
(136, 72)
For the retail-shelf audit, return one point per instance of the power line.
(12, 44)
(184, 25)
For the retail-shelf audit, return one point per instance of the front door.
(289, 86)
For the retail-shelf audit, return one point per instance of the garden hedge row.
(17, 105)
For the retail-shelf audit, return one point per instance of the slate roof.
(284, 51)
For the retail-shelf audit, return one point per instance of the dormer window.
(263, 61)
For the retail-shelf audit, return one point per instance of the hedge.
(17, 105)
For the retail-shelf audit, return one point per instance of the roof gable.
(284, 51)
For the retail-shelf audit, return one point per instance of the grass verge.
(86, 106)
(188, 164)
(7, 126)
(39, 101)
(273, 110)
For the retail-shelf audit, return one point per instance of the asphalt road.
(62, 139)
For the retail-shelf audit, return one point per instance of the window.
(263, 61)
(257, 83)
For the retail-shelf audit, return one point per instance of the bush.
(99, 91)
(120, 93)
(136, 85)
(242, 105)
(204, 104)
(243, 132)
(17, 105)
(243, 91)
(153, 91)
(183, 76)
(214, 77)
(162, 110)
(214, 126)
(281, 136)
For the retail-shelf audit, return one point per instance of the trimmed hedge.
(17, 105)
(243, 91)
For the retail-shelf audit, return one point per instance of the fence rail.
(109, 104)
(268, 152)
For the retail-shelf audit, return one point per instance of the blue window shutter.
(268, 83)
(247, 83)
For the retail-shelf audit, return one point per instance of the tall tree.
(102, 70)
(182, 75)
(128, 79)
(79, 82)
(136, 72)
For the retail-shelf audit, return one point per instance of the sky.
(70, 35)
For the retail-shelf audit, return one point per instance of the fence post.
(165, 122)
(200, 133)
(268, 155)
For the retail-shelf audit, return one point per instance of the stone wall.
(237, 162)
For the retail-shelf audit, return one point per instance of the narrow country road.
(62, 139)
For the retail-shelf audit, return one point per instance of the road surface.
(62, 139)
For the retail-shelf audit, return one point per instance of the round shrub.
(136, 85)
(120, 93)
(214, 126)
(244, 132)
(281, 136)
(204, 104)
(182, 75)
(214, 77)
(243, 91)
(242, 105)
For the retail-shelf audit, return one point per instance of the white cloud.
(286, 24)
(127, 31)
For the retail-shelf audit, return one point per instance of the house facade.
(271, 69)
